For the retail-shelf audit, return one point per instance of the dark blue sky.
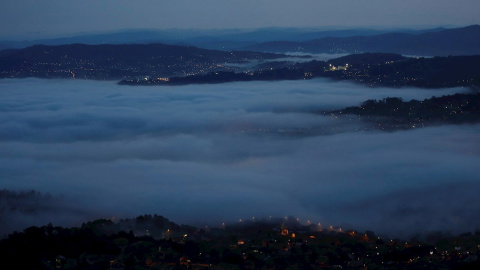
(47, 18)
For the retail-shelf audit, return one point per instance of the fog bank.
(207, 154)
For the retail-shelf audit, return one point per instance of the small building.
(334, 68)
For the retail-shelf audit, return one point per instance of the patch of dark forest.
(394, 113)
(148, 242)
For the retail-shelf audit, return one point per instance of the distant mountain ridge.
(229, 39)
(457, 41)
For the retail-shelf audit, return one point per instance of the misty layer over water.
(206, 154)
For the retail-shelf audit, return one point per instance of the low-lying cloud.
(213, 153)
